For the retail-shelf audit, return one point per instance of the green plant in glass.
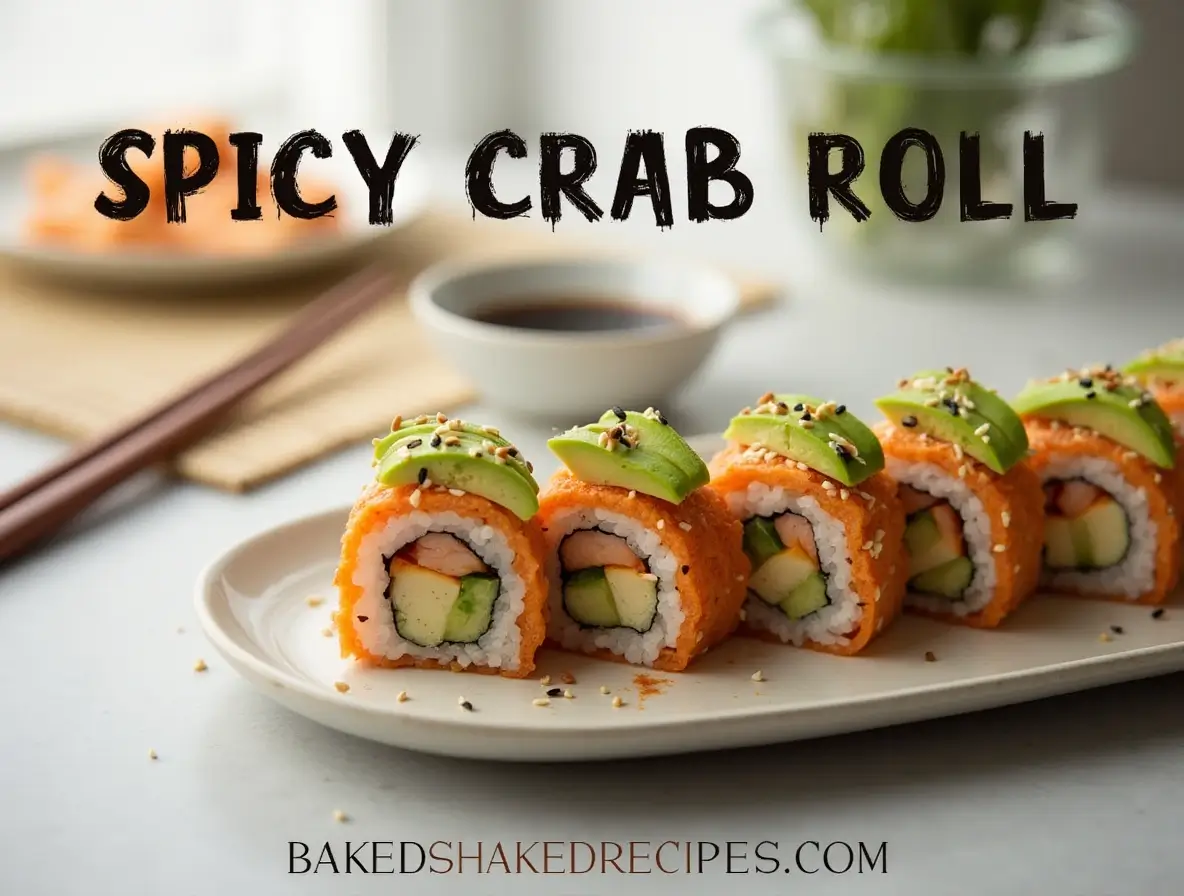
(872, 108)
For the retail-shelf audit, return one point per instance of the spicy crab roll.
(1161, 372)
(1105, 454)
(442, 560)
(822, 523)
(646, 564)
(974, 509)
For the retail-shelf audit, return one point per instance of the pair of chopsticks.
(42, 505)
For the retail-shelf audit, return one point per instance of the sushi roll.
(1105, 454)
(974, 509)
(442, 560)
(646, 564)
(822, 523)
(1161, 372)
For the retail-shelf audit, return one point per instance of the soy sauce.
(578, 315)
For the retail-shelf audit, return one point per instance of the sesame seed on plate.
(930, 656)
(757, 676)
(341, 686)
(568, 695)
(1157, 613)
(314, 600)
(327, 632)
(1117, 629)
(464, 704)
(339, 816)
(541, 701)
(618, 702)
(402, 698)
(200, 666)
(1104, 637)
(152, 754)
(567, 678)
(604, 689)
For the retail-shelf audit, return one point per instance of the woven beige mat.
(77, 363)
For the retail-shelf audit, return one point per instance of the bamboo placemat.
(76, 363)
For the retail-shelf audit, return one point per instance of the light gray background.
(1077, 796)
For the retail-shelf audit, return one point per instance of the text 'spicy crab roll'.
(1106, 456)
(442, 561)
(646, 564)
(1161, 372)
(822, 524)
(974, 511)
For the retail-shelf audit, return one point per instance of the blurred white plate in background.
(161, 268)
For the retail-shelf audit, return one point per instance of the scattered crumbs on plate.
(758, 675)
(314, 600)
(541, 701)
(402, 698)
(649, 686)
(327, 632)
(554, 692)
(340, 817)
(200, 665)
(567, 678)
(1104, 637)
(604, 689)
(1117, 629)
(618, 702)
(1158, 613)
(568, 695)
(465, 704)
(152, 754)
(930, 656)
(341, 686)
(545, 680)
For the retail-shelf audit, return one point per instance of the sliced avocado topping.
(470, 615)
(820, 434)
(1109, 403)
(458, 455)
(1165, 364)
(949, 406)
(632, 451)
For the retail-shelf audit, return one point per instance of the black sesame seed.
(363, 618)
(512, 451)
(1117, 629)
(1085, 383)
(662, 419)
(415, 443)
(435, 443)
(951, 406)
(422, 477)
(799, 407)
(555, 692)
(842, 452)
(624, 442)
(806, 416)
(1091, 394)
(910, 421)
(466, 705)
(685, 569)
(841, 409)
(1157, 614)
(618, 413)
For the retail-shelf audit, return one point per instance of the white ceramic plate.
(133, 269)
(252, 603)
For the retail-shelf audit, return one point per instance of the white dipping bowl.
(560, 373)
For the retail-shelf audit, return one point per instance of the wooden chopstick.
(42, 504)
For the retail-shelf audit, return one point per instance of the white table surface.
(1077, 795)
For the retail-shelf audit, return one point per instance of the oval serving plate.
(253, 606)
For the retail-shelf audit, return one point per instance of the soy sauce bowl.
(571, 373)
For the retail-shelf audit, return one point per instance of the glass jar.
(1054, 88)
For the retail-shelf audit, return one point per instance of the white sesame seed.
(661, 524)
(415, 498)
(402, 698)
(844, 494)
(460, 701)
(456, 492)
(877, 593)
(568, 695)
(958, 452)
(999, 548)
(152, 754)
(757, 676)
(803, 467)
(341, 686)
(739, 578)
(986, 440)
(962, 471)
(339, 816)
(868, 545)
(200, 666)
(541, 701)
(603, 689)
(1158, 479)
(686, 527)
(632, 493)
(545, 680)
(314, 600)
(327, 632)
(1006, 518)
(618, 702)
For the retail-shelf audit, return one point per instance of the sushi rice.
(637, 648)
(976, 530)
(1135, 575)
(498, 648)
(830, 624)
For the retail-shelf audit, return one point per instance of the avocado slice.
(1106, 529)
(948, 580)
(1060, 548)
(1107, 403)
(838, 445)
(951, 407)
(634, 596)
(656, 435)
(639, 468)
(507, 482)
(933, 537)
(781, 574)
(588, 599)
(808, 597)
(1165, 363)
(472, 612)
(761, 540)
(422, 601)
